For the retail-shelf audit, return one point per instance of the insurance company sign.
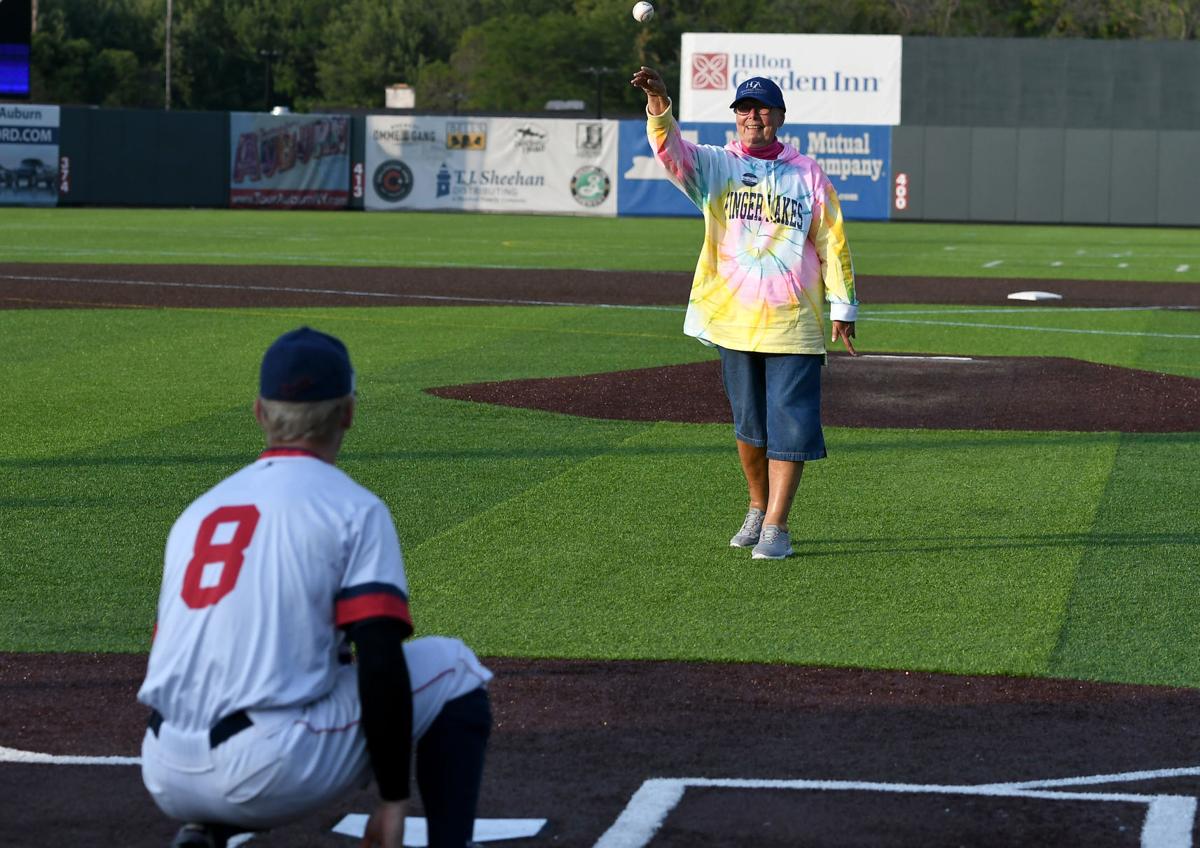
(825, 79)
(855, 157)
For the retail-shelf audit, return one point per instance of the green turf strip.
(1132, 613)
(416, 239)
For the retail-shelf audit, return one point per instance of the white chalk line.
(1031, 329)
(874, 316)
(356, 293)
(304, 259)
(1168, 823)
(14, 755)
(1004, 310)
(347, 292)
(1098, 779)
(923, 358)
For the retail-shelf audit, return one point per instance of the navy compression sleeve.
(386, 695)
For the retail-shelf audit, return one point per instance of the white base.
(1034, 295)
(415, 834)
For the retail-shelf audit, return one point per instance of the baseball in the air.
(643, 11)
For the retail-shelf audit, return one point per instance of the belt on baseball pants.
(225, 729)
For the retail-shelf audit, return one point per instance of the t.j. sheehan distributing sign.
(825, 79)
(544, 165)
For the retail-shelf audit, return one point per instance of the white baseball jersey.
(260, 572)
(295, 759)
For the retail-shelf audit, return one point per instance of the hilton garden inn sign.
(826, 79)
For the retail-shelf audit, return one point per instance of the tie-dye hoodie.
(774, 245)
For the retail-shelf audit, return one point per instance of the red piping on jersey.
(433, 679)
(442, 674)
(272, 453)
(312, 729)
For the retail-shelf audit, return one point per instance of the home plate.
(1034, 295)
(416, 834)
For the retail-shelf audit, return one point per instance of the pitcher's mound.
(887, 390)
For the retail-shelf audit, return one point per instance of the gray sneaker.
(773, 544)
(751, 528)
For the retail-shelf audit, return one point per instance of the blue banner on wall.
(857, 159)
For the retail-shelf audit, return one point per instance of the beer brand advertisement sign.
(289, 161)
(825, 79)
(29, 166)
(855, 157)
(529, 165)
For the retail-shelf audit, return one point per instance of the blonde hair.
(288, 421)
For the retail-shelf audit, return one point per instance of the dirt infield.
(25, 285)
(949, 393)
(745, 755)
(893, 758)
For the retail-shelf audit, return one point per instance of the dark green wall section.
(133, 157)
(1051, 82)
(1045, 175)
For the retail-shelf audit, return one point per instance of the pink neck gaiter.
(771, 151)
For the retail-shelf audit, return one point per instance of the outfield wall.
(1046, 175)
(121, 157)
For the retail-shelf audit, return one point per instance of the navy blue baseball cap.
(761, 89)
(305, 365)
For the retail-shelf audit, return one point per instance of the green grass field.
(535, 534)
(215, 236)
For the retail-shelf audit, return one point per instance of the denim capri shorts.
(776, 401)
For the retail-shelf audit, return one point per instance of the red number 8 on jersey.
(230, 554)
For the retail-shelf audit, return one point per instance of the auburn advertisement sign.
(289, 161)
(29, 166)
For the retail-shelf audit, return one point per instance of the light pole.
(270, 56)
(599, 73)
(167, 61)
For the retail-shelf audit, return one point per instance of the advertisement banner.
(535, 165)
(856, 158)
(28, 155)
(825, 79)
(289, 161)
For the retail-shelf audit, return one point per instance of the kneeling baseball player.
(259, 712)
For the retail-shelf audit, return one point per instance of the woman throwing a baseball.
(774, 253)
